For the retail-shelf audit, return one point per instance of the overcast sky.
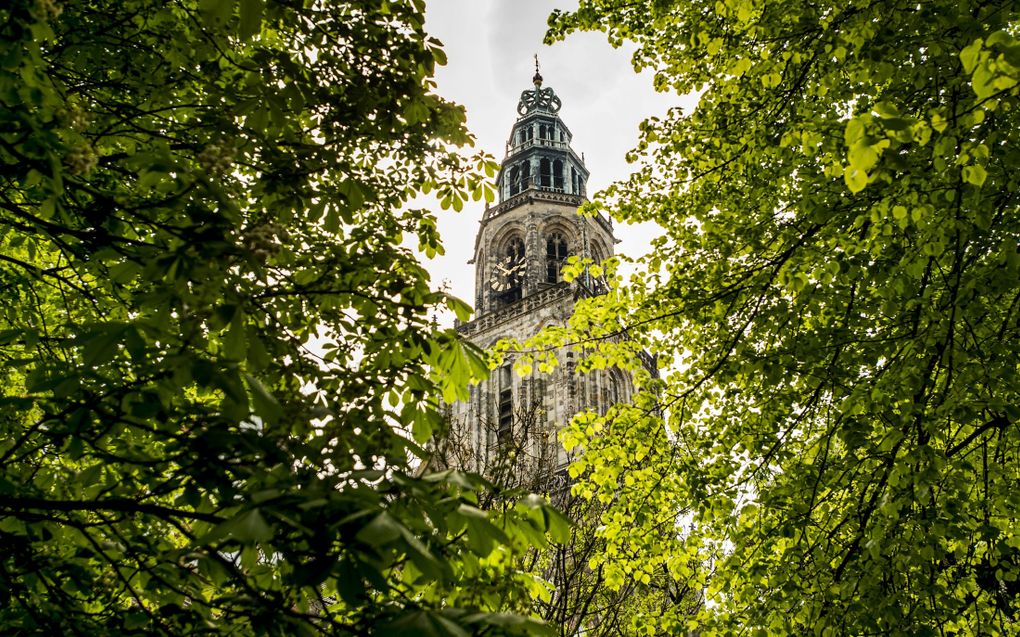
(490, 45)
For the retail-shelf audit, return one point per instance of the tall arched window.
(541, 131)
(504, 428)
(558, 175)
(596, 285)
(615, 385)
(573, 181)
(556, 252)
(515, 181)
(545, 173)
(525, 175)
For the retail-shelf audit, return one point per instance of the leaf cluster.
(216, 352)
(835, 300)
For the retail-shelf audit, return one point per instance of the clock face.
(508, 273)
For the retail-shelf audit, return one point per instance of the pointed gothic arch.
(618, 389)
(556, 252)
(599, 253)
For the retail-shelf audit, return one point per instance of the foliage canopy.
(196, 197)
(836, 300)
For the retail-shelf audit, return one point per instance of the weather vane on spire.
(539, 98)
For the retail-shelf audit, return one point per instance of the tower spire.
(538, 76)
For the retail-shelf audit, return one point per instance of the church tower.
(521, 246)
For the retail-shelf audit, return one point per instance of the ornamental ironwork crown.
(540, 98)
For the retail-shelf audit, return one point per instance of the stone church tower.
(520, 248)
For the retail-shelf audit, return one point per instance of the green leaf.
(265, 404)
(246, 527)
(135, 620)
(352, 193)
(460, 308)
(216, 13)
(250, 23)
(970, 54)
(527, 625)
(234, 341)
(856, 179)
(483, 535)
(423, 623)
(102, 345)
(854, 131)
(557, 524)
(975, 175)
(424, 422)
(252, 527)
(382, 529)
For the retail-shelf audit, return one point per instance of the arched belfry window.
(541, 131)
(558, 175)
(556, 252)
(545, 172)
(515, 181)
(525, 175)
(576, 188)
(615, 387)
(507, 279)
